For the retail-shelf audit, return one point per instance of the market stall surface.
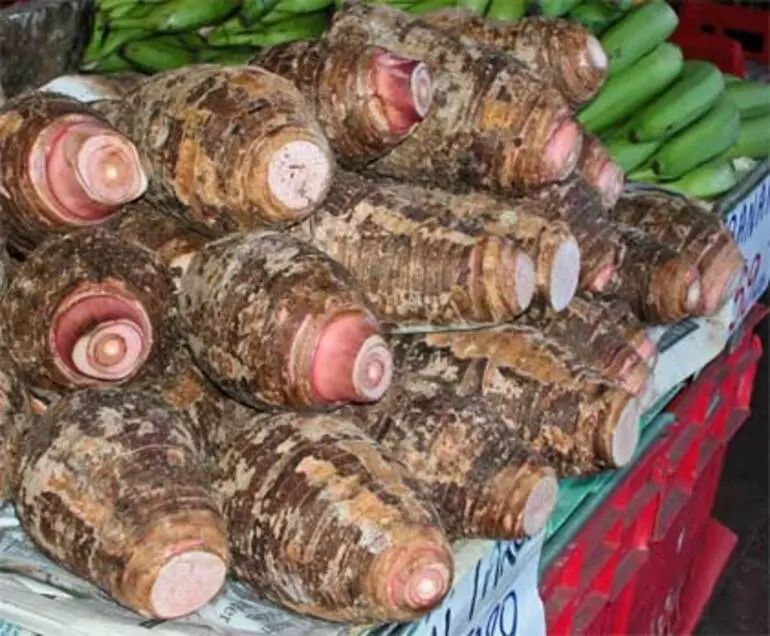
(740, 602)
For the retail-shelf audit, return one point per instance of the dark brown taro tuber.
(172, 241)
(323, 524)
(237, 147)
(274, 321)
(414, 270)
(697, 234)
(366, 101)
(585, 329)
(580, 424)
(484, 482)
(660, 285)
(89, 309)
(577, 203)
(15, 418)
(61, 167)
(620, 313)
(492, 123)
(563, 53)
(111, 487)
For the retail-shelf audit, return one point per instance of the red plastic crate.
(627, 569)
(703, 17)
(721, 50)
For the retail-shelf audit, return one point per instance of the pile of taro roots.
(309, 321)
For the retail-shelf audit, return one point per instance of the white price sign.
(749, 221)
(497, 597)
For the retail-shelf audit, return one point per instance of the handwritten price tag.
(749, 221)
(497, 597)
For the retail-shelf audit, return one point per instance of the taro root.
(62, 167)
(549, 242)
(492, 123)
(366, 102)
(237, 147)
(274, 321)
(586, 329)
(563, 53)
(112, 488)
(579, 423)
(660, 285)
(577, 203)
(104, 312)
(172, 241)
(15, 418)
(620, 313)
(599, 170)
(697, 234)
(484, 482)
(321, 523)
(412, 269)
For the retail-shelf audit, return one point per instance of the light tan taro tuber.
(366, 101)
(600, 171)
(492, 123)
(274, 321)
(89, 309)
(579, 423)
(320, 522)
(484, 482)
(110, 485)
(231, 148)
(549, 242)
(61, 167)
(563, 53)
(413, 269)
(697, 234)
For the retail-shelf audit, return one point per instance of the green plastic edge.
(579, 498)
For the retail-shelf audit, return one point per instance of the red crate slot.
(717, 546)
(722, 51)
(738, 23)
(627, 569)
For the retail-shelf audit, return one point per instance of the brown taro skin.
(585, 329)
(661, 286)
(484, 482)
(321, 523)
(492, 123)
(600, 171)
(410, 266)
(15, 418)
(547, 241)
(579, 423)
(698, 234)
(275, 322)
(111, 487)
(213, 415)
(62, 166)
(578, 204)
(75, 285)
(172, 241)
(565, 54)
(231, 148)
(366, 101)
(619, 313)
